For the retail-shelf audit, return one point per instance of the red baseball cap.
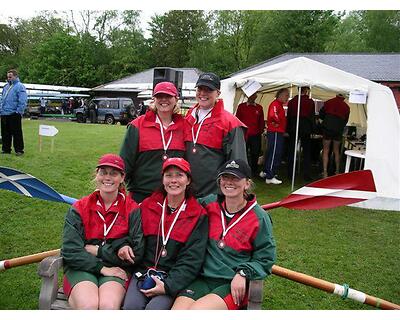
(165, 87)
(177, 162)
(111, 160)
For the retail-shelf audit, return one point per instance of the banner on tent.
(251, 87)
(358, 96)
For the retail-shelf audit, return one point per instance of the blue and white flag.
(27, 185)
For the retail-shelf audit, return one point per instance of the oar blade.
(361, 180)
(332, 192)
(25, 184)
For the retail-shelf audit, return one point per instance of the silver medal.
(194, 150)
(164, 252)
(164, 157)
(221, 244)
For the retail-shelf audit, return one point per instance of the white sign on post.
(358, 96)
(251, 87)
(47, 131)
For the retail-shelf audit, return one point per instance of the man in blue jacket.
(12, 106)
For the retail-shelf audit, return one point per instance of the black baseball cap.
(238, 168)
(210, 80)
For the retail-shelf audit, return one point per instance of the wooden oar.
(342, 290)
(32, 258)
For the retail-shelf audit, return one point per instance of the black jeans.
(305, 142)
(253, 146)
(11, 131)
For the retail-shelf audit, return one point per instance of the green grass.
(343, 245)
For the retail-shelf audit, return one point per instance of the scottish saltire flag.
(335, 191)
(27, 185)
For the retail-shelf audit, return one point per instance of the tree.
(130, 53)
(294, 31)
(174, 34)
(71, 60)
(101, 24)
(9, 46)
(382, 30)
(235, 32)
(37, 29)
(9, 42)
(348, 35)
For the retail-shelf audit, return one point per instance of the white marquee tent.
(382, 117)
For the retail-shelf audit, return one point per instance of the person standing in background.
(43, 104)
(13, 103)
(212, 135)
(252, 115)
(276, 126)
(334, 114)
(306, 124)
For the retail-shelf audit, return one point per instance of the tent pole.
(297, 136)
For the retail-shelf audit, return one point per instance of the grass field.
(343, 245)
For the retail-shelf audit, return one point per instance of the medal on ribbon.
(221, 244)
(164, 252)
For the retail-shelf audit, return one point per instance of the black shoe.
(19, 153)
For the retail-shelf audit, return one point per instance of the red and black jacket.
(186, 245)
(83, 226)
(249, 245)
(142, 151)
(221, 138)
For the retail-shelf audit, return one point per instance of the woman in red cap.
(240, 247)
(96, 226)
(175, 230)
(150, 140)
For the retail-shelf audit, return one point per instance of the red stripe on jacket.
(214, 129)
(150, 135)
(242, 235)
(151, 210)
(93, 225)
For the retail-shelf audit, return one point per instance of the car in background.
(107, 110)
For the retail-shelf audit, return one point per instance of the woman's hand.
(92, 249)
(238, 288)
(157, 290)
(114, 272)
(126, 253)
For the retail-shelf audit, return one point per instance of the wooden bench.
(52, 296)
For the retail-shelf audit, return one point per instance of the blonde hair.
(248, 191)
(177, 107)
